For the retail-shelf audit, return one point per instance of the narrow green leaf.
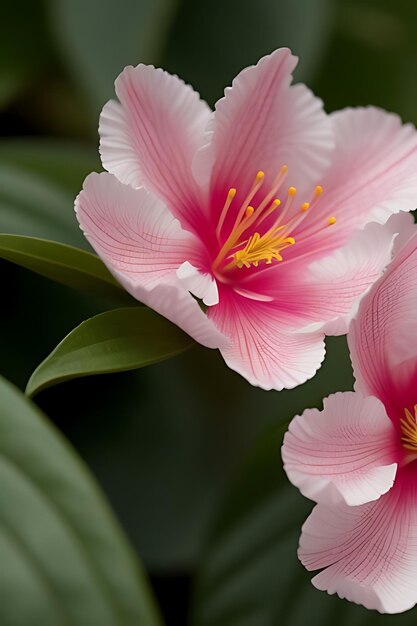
(64, 264)
(114, 341)
(64, 559)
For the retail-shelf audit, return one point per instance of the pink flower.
(228, 207)
(358, 457)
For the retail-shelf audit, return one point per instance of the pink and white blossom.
(358, 457)
(259, 209)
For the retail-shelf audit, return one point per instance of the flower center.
(409, 430)
(245, 246)
(263, 248)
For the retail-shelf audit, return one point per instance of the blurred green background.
(168, 443)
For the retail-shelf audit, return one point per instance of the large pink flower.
(228, 207)
(358, 457)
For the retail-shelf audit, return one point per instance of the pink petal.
(171, 300)
(132, 230)
(203, 286)
(369, 551)
(382, 338)
(117, 150)
(344, 453)
(143, 245)
(323, 296)
(337, 282)
(261, 124)
(262, 349)
(150, 138)
(373, 174)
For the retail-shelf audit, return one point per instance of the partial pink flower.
(253, 209)
(358, 457)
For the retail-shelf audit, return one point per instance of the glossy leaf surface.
(114, 341)
(64, 264)
(64, 559)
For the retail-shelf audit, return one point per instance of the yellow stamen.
(252, 192)
(271, 209)
(230, 195)
(274, 188)
(263, 248)
(242, 247)
(288, 204)
(236, 231)
(409, 429)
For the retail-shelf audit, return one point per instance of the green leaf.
(64, 559)
(114, 341)
(250, 575)
(100, 37)
(64, 264)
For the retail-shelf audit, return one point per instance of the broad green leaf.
(38, 184)
(98, 38)
(250, 575)
(64, 559)
(64, 264)
(114, 341)
(244, 32)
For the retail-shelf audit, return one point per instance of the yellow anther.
(331, 221)
(265, 248)
(229, 199)
(409, 429)
(240, 246)
(318, 190)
